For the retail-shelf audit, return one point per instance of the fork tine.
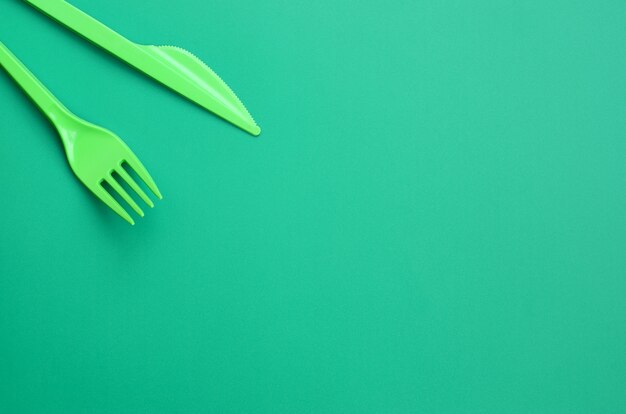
(132, 184)
(141, 171)
(117, 187)
(107, 199)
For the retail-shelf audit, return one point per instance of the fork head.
(100, 158)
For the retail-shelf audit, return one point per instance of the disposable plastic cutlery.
(95, 155)
(172, 66)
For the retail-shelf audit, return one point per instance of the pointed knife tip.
(255, 130)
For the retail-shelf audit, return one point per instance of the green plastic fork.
(94, 154)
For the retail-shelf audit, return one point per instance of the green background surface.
(433, 220)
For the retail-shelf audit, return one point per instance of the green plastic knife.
(174, 67)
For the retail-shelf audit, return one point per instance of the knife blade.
(172, 66)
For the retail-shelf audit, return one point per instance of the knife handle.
(88, 27)
(39, 94)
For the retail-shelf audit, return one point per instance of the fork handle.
(43, 98)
